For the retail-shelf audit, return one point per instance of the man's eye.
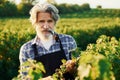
(50, 21)
(41, 21)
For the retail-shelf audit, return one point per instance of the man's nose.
(46, 25)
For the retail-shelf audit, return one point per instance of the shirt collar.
(35, 40)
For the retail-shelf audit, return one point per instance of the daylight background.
(92, 3)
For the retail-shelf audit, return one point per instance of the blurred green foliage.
(100, 61)
(14, 32)
(10, 9)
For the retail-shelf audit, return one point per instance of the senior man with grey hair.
(48, 46)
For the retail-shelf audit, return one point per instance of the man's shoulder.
(27, 44)
(66, 37)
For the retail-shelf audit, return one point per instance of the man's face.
(44, 24)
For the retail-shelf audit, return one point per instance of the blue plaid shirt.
(27, 51)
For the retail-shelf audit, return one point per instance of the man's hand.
(70, 66)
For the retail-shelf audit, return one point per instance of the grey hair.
(43, 7)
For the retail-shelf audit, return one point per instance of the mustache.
(49, 30)
(45, 30)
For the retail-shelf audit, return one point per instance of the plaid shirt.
(27, 51)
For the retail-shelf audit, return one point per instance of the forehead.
(44, 15)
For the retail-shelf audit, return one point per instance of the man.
(48, 46)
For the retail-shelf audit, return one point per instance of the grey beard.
(47, 35)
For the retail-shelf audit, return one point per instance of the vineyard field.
(14, 32)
